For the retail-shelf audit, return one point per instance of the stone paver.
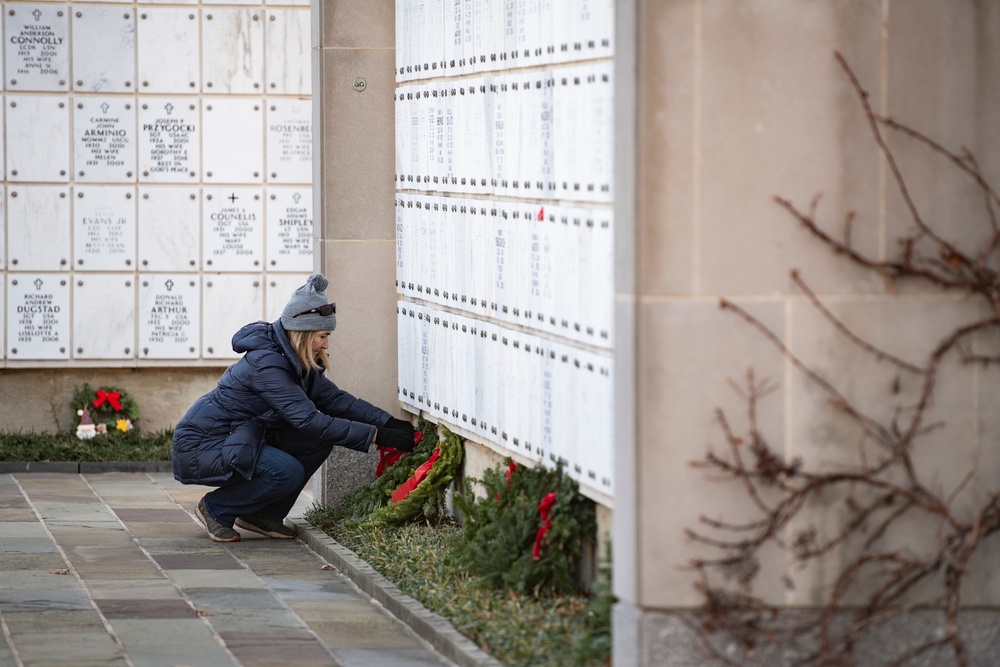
(114, 569)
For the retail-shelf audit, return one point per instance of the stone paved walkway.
(114, 569)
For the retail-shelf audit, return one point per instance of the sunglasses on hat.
(322, 311)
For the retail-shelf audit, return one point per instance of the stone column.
(354, 153)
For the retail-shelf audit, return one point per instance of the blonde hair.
(302, 343)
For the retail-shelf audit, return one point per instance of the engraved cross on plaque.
(232, 197)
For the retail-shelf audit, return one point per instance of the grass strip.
(134, 445)
(554, 631)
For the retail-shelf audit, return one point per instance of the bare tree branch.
(878, 492)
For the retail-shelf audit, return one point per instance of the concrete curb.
(438, 632)
(84, 467)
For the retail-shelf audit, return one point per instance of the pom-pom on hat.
(308, 310)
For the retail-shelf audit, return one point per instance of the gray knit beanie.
(296, 315)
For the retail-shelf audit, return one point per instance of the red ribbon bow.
(404, 489)
(109, 396)
(544, 509)
(387, 456)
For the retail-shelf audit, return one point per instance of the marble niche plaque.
(104, 228)
(232, 50)
(104, 49)
(286, 49)
(37, 316)
(169, 140)
(38, 138)
(232, 229)
(3, 237)
(36, 46)
(105, 146)
(289, 141)
(233, 301)
(294, 3)
(280, 287)
(233, 145)
(289, 229)
(104, 316)
(167, 44)
(169, 228)
(38, 228)
(169, 316)
(236, 2)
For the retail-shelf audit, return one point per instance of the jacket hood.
(266, 337)
(255, 336)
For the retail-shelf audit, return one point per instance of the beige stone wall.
(738, 102)
(39, 400)
(353, 199)
(354, 188)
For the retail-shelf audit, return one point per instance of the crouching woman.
(272, 420)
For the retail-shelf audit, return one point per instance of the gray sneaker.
(217, 531)
(264, 526)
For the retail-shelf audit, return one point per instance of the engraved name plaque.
(36, 46)
(37, 316)
(169, 316)
(104, 228)
(289, 141)
(105, 140)
(232, 229)
(168, 140)
(289, 229)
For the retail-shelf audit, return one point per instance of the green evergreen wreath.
(501, 527)
(426, 502)
(111, 410)
(363, 502)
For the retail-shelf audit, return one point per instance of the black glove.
(390, 437)
(401, 425)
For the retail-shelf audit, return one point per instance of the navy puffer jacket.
(263, 393)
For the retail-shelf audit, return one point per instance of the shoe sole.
(197, 513)
(260, 531)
